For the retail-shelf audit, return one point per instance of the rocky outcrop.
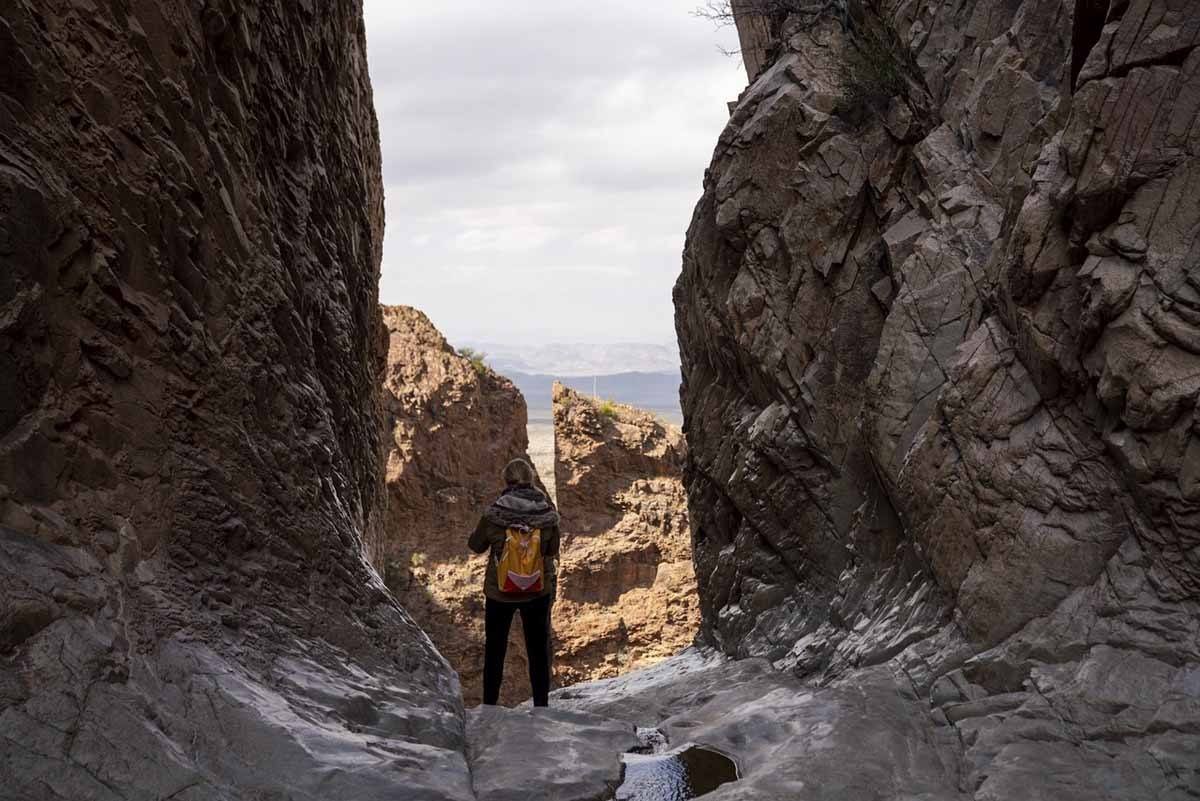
(627, 593)
(940, 381)
(190, 457)
(451, 425)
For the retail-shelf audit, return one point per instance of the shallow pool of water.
(685, 773)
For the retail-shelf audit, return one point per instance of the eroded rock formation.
(190, 352)
(627, 593)
(451, 424)
(941, 359)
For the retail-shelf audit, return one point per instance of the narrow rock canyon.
(939, 315)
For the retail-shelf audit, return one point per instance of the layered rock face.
(189, 445)
(452, 425)
(941, 361)
(627, 592)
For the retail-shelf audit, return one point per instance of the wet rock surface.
(627, 593)
(190, 349)
(450, 426)
(939, 385)
(868, 739)
(686, 772)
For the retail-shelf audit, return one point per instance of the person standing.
(520, 533)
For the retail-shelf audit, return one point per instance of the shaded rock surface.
(190, 349)
(546, 753)
(870, 739)
(451, 426)
(940, 382)
(627, 592)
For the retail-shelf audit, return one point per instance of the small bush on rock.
(476, 358)
(871, 72)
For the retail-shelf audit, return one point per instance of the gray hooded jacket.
(522, 506)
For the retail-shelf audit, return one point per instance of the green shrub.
(476, 358)
(607, 408)
(871, 71)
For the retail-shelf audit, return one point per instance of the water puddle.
(690, 771)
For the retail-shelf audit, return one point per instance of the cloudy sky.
(541, 160)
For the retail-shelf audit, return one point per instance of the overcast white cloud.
(542, 158)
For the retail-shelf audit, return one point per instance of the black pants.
(535, 620)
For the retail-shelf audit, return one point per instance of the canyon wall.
(190, 225)
(627, 592)
(451, 426)
(940, 323)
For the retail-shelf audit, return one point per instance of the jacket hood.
(522, 507)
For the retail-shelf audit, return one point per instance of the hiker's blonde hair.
(518, 471)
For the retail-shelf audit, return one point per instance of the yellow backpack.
(521, 567)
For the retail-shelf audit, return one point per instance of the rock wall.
(627, 594)
(451, 426)
(190, 225)
(941, 354)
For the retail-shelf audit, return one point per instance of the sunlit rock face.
(190, 459)
(451, 425)
(941, 362)
(627, 592)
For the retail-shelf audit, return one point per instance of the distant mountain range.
(655, 391)
(566, 359)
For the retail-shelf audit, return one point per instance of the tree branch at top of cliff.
(874, 67)
(726, 12)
